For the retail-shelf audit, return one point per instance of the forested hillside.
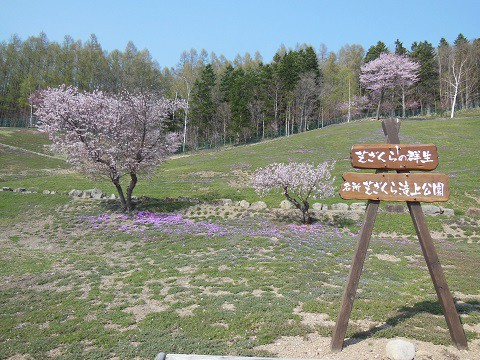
(236, 101)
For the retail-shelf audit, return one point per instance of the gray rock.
(161, 356)
(46, 192)
(6, 188)
(398, 349)
(226, 202)
(259, 205)
(75, 193)
(53, 192)
(352, 215)
(19, 190)
(340, 207)
(431, 210)
(244, 204)
(96, 193)
(286, 205)
(113, 197)
(473, 211)
(360, 206)
(318, 206)
(448, 212)
(395, 208)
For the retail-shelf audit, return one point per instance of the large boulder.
(286, 205)
(259, 205)
(319, 207)
(226, 202)
(87, 194)
(431, 210)
(97, 194)
(448, 212)
(339, 207)
(244, 204)
(399, 349)
(395, 208)
(360, 206)
(75, 193)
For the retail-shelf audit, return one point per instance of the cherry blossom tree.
(108, 136)
(389, 71)
(298, 182)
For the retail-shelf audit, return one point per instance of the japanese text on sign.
(395, 187)
(405, 157)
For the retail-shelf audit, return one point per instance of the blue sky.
(166, 28)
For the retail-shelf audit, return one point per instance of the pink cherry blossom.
(389, 71)
(298, 182)
(108, 135)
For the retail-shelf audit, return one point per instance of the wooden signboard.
(395, 157)
(400, 186)
(425, 187)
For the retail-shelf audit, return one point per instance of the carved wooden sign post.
(401, 186)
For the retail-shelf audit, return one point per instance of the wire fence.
(295, 129)
(31, 121)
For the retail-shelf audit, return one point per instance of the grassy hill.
(225, 173)
(80, 280)
(456, 139)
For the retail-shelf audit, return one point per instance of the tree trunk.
(303, 207)
(116, 182)
(349, 103)
(452, 111)
(379, 104)
(393, 103)
(133, 182)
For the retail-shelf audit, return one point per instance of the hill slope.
(225, 173)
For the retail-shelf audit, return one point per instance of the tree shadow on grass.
(166, 205)
(407, 312)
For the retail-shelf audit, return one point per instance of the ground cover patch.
(80, 279)
(29, 139)
(91, 283)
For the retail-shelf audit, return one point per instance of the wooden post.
(433, 263)
(355, 270)
(438, 278)
(354, 276)
(391, 128)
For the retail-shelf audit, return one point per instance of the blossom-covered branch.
(298, 182)
(108, 136)
(389, 71)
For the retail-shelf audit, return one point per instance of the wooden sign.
(395, 157)
(400, 186)
(425, 187)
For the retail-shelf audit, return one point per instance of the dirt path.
(31, 151)
(314, 346)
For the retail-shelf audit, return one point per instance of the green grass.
(78, 284)
(89, 288)
(28, 139)
(223, 174)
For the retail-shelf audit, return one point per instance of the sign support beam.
(391, 129)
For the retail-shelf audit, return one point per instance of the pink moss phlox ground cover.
(177, 224)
